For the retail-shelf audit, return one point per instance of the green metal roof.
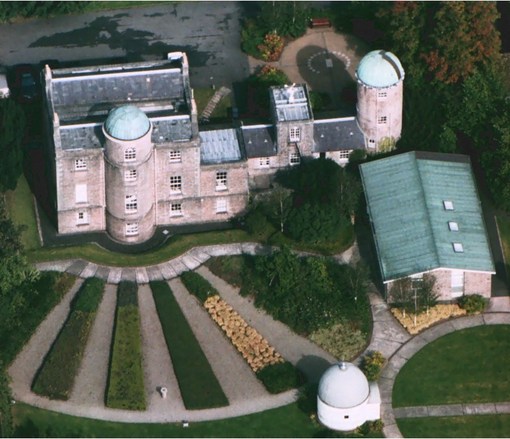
(127, 122)
(405, 196)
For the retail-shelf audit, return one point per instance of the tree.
(12, 129)
(401, 293)
(6, 427)
(427, 293)
(285, 18)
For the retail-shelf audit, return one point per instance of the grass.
(456, 426)
(199, 386)
(467, 366)
(125, 388)
(504, 235)
(229, 268)
(221, 111)
(50, 287)
(287, 421)
(53, 380)
(20, 204)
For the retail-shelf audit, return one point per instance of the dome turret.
(379, 68)
(127, 123)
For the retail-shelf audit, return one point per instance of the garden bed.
(198, 385)
(55, 378)
(125, 379)
(424, 320)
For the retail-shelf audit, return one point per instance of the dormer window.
(458, 247)
(448, 205)
(453, 226)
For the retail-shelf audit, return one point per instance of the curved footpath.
(245, 393)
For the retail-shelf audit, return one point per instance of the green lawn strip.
(456, 426)
(56, 376)
(125, 380)
(50, 288)
(203, 96)
(20, 204)
(199, 386)
(504, 235)
(277, 377)
(467, 366)
(287, 421)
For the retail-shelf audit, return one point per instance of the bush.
(372, 364)
(370, 428)
(257, 223)
(473, 303)
(280, 377)
(197, 285)
(272, 47)
(198, 385)
(125, 379)
(341, 340)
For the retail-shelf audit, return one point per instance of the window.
(294, 158)
(453, 226)
(176, 209)
(264, 162)
(131, 203)
(382, 95)
(344, 155)
(457, 283)
(295, 134)
(448, 205)
(221, 205)
(458, 247)
(174, 156)
(130, 175)
(221, 181)
(381, 120)
(81, 193)
(131, 229)
(175, 184)
(80, 165)
(82, 218)
(130, 154)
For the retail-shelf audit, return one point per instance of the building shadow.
(313, 367)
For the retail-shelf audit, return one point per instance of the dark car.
(26, 83)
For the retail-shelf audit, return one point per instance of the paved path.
(452, 410)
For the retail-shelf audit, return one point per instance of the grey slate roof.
(405, 197)
(219, 146)
(337, 134)
(81, 136)
(258, 140)
(171, 129)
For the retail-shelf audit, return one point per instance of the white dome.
(343, 386)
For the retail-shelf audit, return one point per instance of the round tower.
(129, 175)
(380, 78)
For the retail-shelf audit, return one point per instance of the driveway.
(208, 31)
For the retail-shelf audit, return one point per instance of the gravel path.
(157, 366)
(90, 384)
(234, 375)
(301, 352)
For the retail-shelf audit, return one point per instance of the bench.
(320, 22)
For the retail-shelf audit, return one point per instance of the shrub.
(341, 340)
(198, 286)
(372, 364)
(370, 428)
(473, 303)
(272, 47)
(257, 223)
(280, 377)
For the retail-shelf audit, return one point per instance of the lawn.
(199, 386)
(203, 96)
(125, 388)
(52, 379)
(504, 235)
(456, 426)
(467, 366)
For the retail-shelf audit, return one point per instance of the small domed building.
(380, 78)
(345, 398)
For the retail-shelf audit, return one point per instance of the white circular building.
(129, 175)
(345, 398)
(380, 78)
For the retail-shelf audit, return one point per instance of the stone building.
(128, 155)
(427, 220)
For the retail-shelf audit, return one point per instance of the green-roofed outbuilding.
(427, 218)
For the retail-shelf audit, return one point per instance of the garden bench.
(320, 22)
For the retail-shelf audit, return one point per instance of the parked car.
(26, 83)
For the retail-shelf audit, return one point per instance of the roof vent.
(458, 247)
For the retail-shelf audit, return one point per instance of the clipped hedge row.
(55, 378)
(125, 379)
(280, 377)
(198, 286)
(199, 386)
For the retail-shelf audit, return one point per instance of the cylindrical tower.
(380, 78)
(129, 175)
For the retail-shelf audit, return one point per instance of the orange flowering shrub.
(272, 47)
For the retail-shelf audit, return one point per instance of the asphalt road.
(208, 31)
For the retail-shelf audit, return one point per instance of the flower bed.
(254, 348)
(424, 320)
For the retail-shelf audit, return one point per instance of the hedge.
(280, 377)
(125, 388)
(55, 378)
(198, 385)
(198, 286)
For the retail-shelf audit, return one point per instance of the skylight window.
(458, 247)
(453, 226)
(448, 205)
